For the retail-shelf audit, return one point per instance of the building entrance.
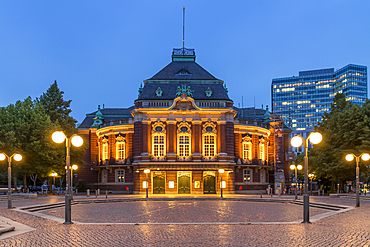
(183, 181)
(209, 183)
(159, 182)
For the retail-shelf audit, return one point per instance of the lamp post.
(297, 141)
(311, 175)
(17, 157)
(221, 171)
(146, 171)
(77, 141)
(364, 157)
(294, 167)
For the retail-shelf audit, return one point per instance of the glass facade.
(302, 100)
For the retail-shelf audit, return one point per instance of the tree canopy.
(345, 130)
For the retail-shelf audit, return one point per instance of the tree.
(58, 109)
(345, 129)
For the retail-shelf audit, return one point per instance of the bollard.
(318, 192)
(260, 193)
(271, 192)
(98, 192)
(28, 190)
(279, 192)
(88, 192)
(58, 191)
(76, 191)
(106, 194)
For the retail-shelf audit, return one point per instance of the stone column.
(171, 140)
(147, 141)
(196, 138)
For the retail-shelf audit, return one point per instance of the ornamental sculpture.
(184, 90)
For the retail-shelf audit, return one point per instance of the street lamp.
(17, 157)
(364, 157)
(77, 141)
(297, 141)
(311, 175)
(146, 171)
(221, 171)
(294, 167)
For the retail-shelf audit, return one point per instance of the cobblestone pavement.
(184, 212)
(346, 229)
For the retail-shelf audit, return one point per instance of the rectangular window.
(158, 146)
(120, 175)
(121, 151)
(105, 151)
(247, 151)
(184, 146)
(262, 152)
(209, 145)
(247, 176)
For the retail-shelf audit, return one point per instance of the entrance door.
(209, 184)
(159, 183)
(184, 184)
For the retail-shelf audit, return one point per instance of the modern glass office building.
(302, 100)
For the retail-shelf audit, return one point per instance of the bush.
(81, 185)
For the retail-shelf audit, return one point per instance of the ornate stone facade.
(184, 128)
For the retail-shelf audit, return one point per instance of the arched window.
(209, 140)
(158, 140)
(120, 176)
(262, 149)
(247, 175)
(183, 141)
(247, 148)
(105, 150)
(120, 147)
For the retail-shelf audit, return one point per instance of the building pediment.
(184, 103)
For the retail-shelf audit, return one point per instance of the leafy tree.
(345, 129)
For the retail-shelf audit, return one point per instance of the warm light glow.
(296, 141)
(223, 185)
(77, 141)
(315, 137)
(221, 171)
(58, 137)
(145, 185)
(17, 157)
(74, 167)
(146, 171)
(292, 167)
(54, 174)
(2, 156)
(311, 175)
(349, 157)
(299, 167)
(171, 184)
(365, 157)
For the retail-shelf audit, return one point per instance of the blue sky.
(100, 51)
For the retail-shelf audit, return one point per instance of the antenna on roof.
(242, 107)
(183, 30)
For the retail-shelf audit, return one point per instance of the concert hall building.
(184, 128)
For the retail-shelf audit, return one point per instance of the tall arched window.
(158, 140)
(183, 141)
(247, 148)
(120, 147)
(262, 149)
(209, 140)
(105, 150)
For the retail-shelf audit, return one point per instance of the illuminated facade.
(302, 100)
(184, 128)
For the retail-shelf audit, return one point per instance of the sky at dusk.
(100, 51)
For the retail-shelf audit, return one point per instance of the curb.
(4, 229)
